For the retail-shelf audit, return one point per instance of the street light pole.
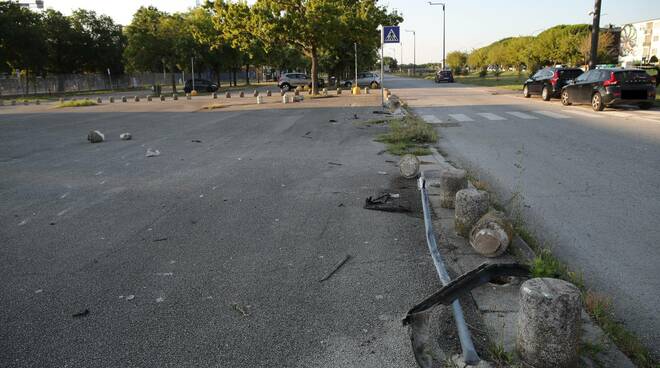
(595, 29)
(414, 51)
(444, 23)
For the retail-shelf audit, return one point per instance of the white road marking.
(431, 119)
(586, 113)
(460, 117)
(553, 115)
(522, 115)
(490, 116)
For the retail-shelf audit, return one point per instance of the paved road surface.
(590, 182)
(209, 255)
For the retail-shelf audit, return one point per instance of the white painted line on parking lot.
(522, 115)
(586, 113)
(553, 115)
(432, 119)
(460, 117)
(490, 116)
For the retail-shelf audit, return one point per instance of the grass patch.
(500, 357)
(77, 103)
(214, 107)
(507, 80)
(409, 135)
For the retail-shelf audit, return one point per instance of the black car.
(444, 76)
(200, 85)
(609, 87)
(548, 82)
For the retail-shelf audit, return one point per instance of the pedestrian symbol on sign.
(391, 34)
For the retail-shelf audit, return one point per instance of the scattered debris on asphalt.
(308, 133)
(341, 205)
(381, 152)
(160, 239)
(355, 116)
(125, 136)
(152, 153)
(334, 163)
(395, 195)
(306, 136)
(84, 313)
(382, 112)
(130, 297)
(240, 309)
(332, 121)
(382, 173)
(390, 161)
(95, 136)
(196, 141)
(385, 202)
(336, 267)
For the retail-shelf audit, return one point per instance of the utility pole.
(595, 30)
(356, 71)
(401, 61)
(414, 51)
(444, 23)
(192, 65)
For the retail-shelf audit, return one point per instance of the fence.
(11, 85)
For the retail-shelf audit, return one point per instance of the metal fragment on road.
(336, 268)
(125, 136)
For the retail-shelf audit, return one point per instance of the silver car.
(290, 81)
(366, 79)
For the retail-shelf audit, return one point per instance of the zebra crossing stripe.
(522, 115)
(432, 119)
(553, 115)
(460, 117)
(586, 113)
(490, 116)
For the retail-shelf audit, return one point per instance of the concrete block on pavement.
(471, 204)
(451, 181)
(549, 323)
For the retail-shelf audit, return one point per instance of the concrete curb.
(499, 304)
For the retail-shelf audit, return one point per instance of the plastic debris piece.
(337, 266)
(84, 313)
(152, 153)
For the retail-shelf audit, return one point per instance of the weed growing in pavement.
(409, 134)
(499, 356)
(77, 103)
(591, 350)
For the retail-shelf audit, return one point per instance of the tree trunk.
(234, 76)
(315, 71)
(247, 74)
(173, 82)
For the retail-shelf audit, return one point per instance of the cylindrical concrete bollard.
(136, 98)
(188, 96)
(255, 93)
(112, 99)
(549, 323)
(296, 92)
(241, 95)
(471, 205)
(149, 98)
(492, 234)
(268, 93)
(324, 92)
(409, 166)
(123, 99)
(451, 181)
(338, 91)
(285, 99)
(260, 100)
(162, 97)
(13, 102)
(214, 95)
(366, 90)
(37, 102)
(99, 100)
(175, 96)
(282, 93)
(61, 100)
(228, 95)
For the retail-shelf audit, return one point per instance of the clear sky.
(470, 23)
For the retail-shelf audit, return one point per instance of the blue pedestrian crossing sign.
(391, 34)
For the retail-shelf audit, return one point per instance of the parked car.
(548, 82)
(365, 79)
(200, 85)
(290, 81)
(444, 76)
(609, 87)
